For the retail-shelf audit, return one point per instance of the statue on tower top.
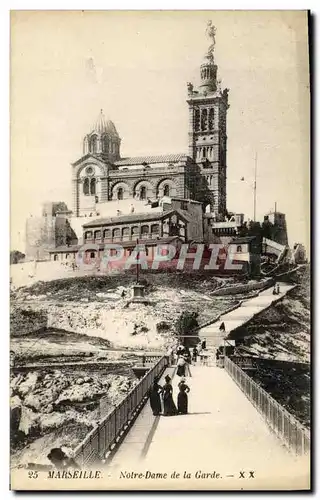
(211, 32)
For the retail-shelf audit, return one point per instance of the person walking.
(183, 397)
(195, 354)
(169, 408)
(204, 344)
(180, 350)
(181, 367)
(222, 327)
(155, 400)
(187, 355)
(278, 288)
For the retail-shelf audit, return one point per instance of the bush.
(162, 326)
(187, 322)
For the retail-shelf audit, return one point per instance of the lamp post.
(255, 188)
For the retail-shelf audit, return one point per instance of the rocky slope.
(282, 332)
(280, 339)
(98, 307)
(42, 405)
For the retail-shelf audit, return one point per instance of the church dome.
(103, 139)
(103, 126)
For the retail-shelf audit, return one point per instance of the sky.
(66, 66)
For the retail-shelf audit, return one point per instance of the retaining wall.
(249, 287)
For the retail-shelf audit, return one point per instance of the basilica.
(151, 198)
(101, 175)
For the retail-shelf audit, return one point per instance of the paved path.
(240, 316)
(223, 432)
(135, 444)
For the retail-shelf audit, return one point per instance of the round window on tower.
(89, 170)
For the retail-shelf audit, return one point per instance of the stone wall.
(249, 287)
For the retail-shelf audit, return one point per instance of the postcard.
(160, 253)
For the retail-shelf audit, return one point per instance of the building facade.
(279, 230)
(246, 251)
(46, 231)
(100, 175)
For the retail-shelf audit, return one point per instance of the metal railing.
(295, 436)
(108, 432)
(149, 358)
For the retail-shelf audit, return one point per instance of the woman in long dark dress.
(155, 401)
(169, 408)
(183, 397)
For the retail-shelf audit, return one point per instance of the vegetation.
(187, 322)
(16, 256)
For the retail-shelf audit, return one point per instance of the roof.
(96, 156)
(244, 239)
(183, 213)
(138, 160)
(65, 248)
(124, 218)
(104, 126)
(189, 200)
(135, 217)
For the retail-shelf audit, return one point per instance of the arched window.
(134, 232)
(120, 193)
(97, 235)
(143, 193)
(93, 186)
(144, 230)
(105, 144)
(204, 153)
(86, 186)
(67, 255)
(93, 144)
(204, 119)
(239, 248)
(197, 120)
(155, 230)
(211, 119)
(116, 233)
(166, 190)
(125, 233)
(107, 234)
(55, 257)
(88, 235)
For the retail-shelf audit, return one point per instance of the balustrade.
(100, 440)
(286, 427)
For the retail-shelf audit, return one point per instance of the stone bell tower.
(208, 107)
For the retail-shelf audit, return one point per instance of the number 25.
(33, 474)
